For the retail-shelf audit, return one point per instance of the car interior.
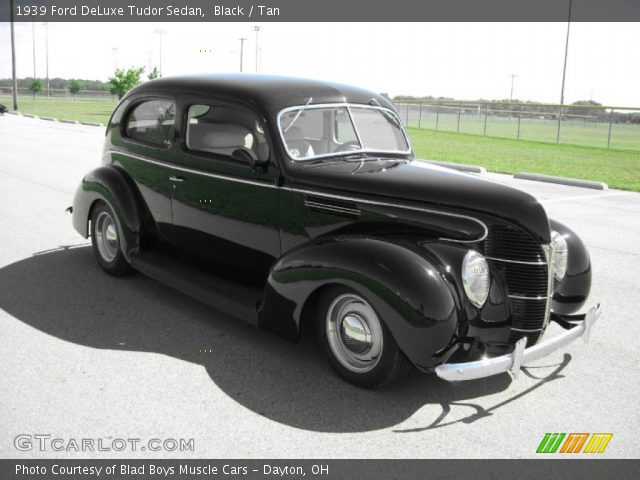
(223, 130)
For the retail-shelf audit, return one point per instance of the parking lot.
(85, 355)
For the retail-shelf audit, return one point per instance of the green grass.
(618, 168)
(95, 110)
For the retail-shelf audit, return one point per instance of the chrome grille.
(510, 243)
(523, 266)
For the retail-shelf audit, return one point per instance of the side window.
(221, 130)
(151, 121)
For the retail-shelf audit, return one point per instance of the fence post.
(437, 114)
(559, 120)
(610, 122)
(407, 116)
(486, 113)
(420, 116)
(459, 112)
(519, 119)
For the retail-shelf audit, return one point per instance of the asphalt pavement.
(87, 356)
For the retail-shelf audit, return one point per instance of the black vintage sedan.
(290, 203)
(3, 109)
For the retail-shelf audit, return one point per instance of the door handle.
(175, 178)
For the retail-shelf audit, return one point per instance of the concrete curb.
(573, 182)
(90, 124)
(29, 115)
(49, 119)
(458, 166)
(13, 112)
(73, 122)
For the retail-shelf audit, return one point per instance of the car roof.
(268, 92)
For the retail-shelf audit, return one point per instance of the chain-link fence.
(589, 125)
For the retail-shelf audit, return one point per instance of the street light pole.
(46, 29)
(513, 76)
(33, 38)
(160, 32)
(13, 62)
(115, 57)
(256, 29)
(242, 40)
(564, 73)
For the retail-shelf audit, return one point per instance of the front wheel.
(105, 238)
(358, 345)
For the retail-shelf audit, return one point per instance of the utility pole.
(46, 29)
(33, 38)
(115, 57)
(160, 32)
(513, 76)
(564, 71)
(13, 62)
(242, 40)
(256, 29)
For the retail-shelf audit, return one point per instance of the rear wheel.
(358, 345)
(105, 238)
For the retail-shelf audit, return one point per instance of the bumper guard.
(512, 362)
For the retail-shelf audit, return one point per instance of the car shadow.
(64, 293)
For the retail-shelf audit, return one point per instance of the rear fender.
(112, 186)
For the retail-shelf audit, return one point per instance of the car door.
(225, 205)
(142, 144)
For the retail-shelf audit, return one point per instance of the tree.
(35, 86)
(153, 74)
(75, 86)
(582, 109)
(124, 80)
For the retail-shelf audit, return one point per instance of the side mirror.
(248, 156)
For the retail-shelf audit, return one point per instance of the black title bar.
(319, 10)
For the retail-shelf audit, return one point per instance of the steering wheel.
(346, 146)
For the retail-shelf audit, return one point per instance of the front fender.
(111, 185)
(408, 292)
(571, 293)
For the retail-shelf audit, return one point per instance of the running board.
(227, 296)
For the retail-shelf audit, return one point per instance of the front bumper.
(512, 362)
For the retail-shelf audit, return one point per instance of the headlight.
(560, 256)
(475, 277)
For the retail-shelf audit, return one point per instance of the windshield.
(315, 131)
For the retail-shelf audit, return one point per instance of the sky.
(466, 61)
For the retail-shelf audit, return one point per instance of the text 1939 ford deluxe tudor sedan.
(284, 201)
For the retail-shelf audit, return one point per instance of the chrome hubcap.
(106, 237)
(354, 333)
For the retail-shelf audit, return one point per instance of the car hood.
(419, 181)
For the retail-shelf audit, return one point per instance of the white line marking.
(564, 199)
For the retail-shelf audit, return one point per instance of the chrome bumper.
(512, 362)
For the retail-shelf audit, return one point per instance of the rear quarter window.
(151, 122)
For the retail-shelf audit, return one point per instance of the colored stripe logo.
(574, 442)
